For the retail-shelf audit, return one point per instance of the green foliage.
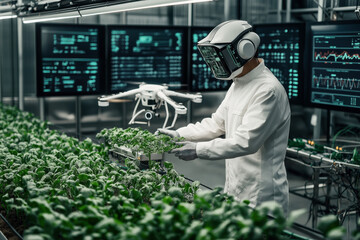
(138, 140)
(330, 227)
(66, 189)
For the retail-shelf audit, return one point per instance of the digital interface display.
(202, 78)
(69, 60)
(335, 65)
(152, 55)
(281, 47)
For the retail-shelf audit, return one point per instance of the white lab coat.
(255, 118)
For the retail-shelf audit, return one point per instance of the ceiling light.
(51, 17)
(7, 15)
(137, 5)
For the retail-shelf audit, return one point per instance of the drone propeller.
(163, 84)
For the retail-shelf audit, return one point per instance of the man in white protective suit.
(254, 117)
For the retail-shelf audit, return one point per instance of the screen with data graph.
(282, 47)
(335, 66)
(150, 54)
(70, 59)
(201, 77)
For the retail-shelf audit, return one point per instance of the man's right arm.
(208, 128)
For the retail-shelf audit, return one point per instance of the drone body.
(152, 97)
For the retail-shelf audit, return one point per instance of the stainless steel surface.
(288, 11)
(20, 62)
(78, 116)
(42, 108)
(279, 8)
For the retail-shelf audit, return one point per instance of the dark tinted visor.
(215, 59)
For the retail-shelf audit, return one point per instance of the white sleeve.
(259, 122)
(208, 128)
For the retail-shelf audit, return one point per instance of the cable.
(357, 10)
(11, 227)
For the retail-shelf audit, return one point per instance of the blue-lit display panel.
(69, 60)
(281, 47)
(154, 55)
(335, 66)
(202, 78)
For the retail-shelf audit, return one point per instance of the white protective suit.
(255, 118)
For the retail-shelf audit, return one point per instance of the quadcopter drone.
(152, 97)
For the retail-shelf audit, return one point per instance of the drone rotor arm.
(120, 95)
(103, 101)
(197, 98)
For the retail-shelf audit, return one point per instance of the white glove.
(187, 152)
(170, 133)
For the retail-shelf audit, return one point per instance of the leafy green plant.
(62, 188)
(138, 140)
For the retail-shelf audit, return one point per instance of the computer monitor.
(282, 48)
(334, 76)
(70, 59)
(150, 54)
(201, 77)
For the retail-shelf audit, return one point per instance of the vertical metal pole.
(315, 198)
(42, 108)
(279, 8)
(190, 23)
(78, 117)
(226, 10)
(78, 107)
(288, 11)
(317, 127)
(20, 63)
(13, 70)
(321, 6)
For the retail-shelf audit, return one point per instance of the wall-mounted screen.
(334, 77)
(70, 60)
(201, 77)
(282, 48)
(150, 54)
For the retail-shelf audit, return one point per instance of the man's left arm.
(261, 119)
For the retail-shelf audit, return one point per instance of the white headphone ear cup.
(246, 49)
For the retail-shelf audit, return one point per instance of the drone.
(153, 96)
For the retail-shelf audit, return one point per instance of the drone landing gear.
(149, 115)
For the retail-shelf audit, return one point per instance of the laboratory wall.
(61, 110)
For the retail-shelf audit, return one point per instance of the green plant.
(63, 188)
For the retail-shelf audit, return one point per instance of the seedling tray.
(119, 154)
(136, 155)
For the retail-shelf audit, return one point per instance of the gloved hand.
(170, 133)
(186, 152)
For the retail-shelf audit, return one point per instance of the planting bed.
(55, 187)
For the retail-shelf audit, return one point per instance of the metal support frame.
(42, 108)
(315, 196)
(78, 116)
(190, 23)
(279, 10)
(20, 63)
(227, 7)
(317, 127)
(288, 11)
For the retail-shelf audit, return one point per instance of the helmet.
(228, 47)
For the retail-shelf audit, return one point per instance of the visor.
(223, 59)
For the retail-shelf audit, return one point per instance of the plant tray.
(136, 155)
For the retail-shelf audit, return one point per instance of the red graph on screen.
(333, 56)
